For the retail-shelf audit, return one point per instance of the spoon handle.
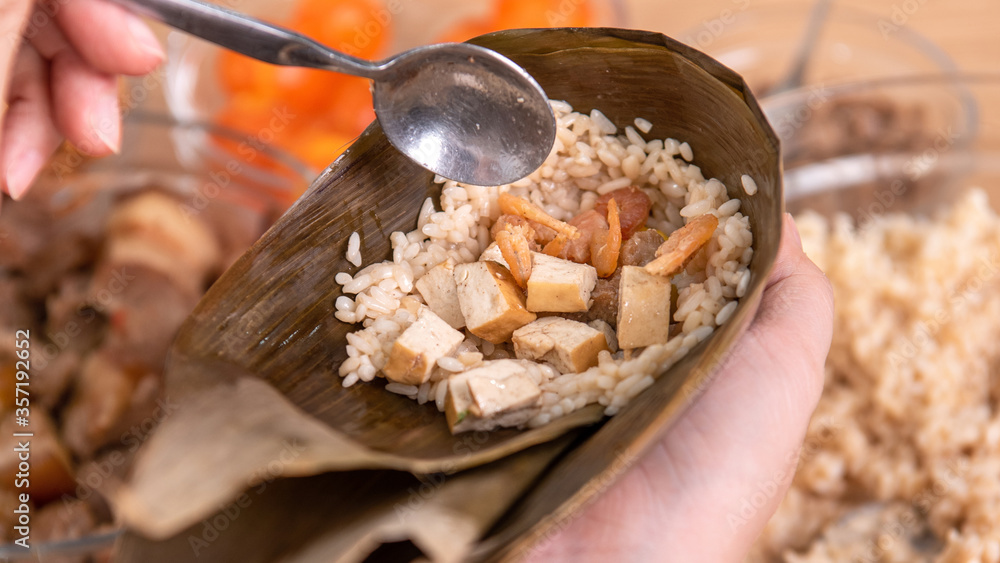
(249, 36)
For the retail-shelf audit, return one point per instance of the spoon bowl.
(462, 111)
(472, 113)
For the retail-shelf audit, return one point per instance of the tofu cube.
(493, 254)
(643, 308)
(491, 303)
(559, 286)
(570, 346)
(418, 349)
(437, 287)
(497, 394)
(609, 333)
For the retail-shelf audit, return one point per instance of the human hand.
(58, 65)
(736, 446)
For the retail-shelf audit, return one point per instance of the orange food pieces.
(606, 244)
(325, 110)
(682, 245)
(578, 250)
(513, 244)
(513, 14)
(521, 207)
(544, 13)
(357, 27)
(633, 208)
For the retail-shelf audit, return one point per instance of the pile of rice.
(591, 157)
(902, 460)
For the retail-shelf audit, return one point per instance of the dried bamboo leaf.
(251, 425)
(345, 516)
(271, 314)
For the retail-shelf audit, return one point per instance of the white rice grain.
(723, 315)
(401, 389)
(354, 249)
(749, 185)
(643, 125)
(686, 152)
(602, 122)
(451, 364)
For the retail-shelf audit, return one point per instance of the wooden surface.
(965, 29)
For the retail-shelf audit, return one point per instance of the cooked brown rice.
(902, 459)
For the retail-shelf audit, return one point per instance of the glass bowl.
(324, 112)
(871, 151)
(238, 188)
(921, 137)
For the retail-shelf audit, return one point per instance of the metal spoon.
(796, 75)
(459, 110)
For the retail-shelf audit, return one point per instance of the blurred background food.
(101, 263)
(185, 200)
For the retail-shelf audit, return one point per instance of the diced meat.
(475, 402)
(131, 296)
(633, 208)
(492, 304)
(52, 377)
(59, 521)
(51, 469)
(15, 314)
(570, 346)
(643, 308)
(417, 350)
(640, 249)
(438, 289)
(103, 397)
(558, 285)
(152, 230)
(605, 300)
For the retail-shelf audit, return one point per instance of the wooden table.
(965, 29)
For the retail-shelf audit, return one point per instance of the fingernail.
(143, 38)
(793, 230)
(21, 173)
(105, 123)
